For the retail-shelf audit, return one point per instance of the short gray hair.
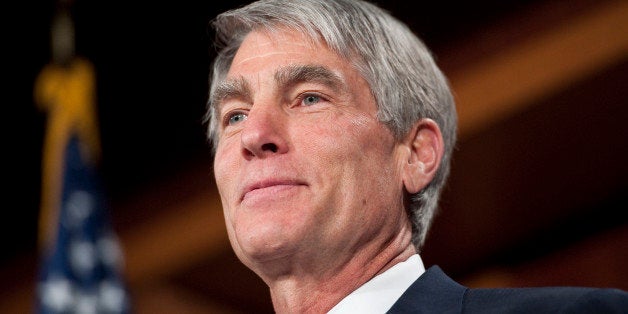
(400, 70)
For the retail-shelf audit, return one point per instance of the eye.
(311, 99)
(235, 118)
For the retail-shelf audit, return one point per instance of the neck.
(317, 287)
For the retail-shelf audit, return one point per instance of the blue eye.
(236, 118)
(311, 100)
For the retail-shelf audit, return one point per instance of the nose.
(264, 133)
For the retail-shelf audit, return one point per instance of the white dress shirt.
(380, 293)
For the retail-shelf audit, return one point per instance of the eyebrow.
(231, 88)
(239, 88)
(295, 74)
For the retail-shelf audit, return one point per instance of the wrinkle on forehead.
(261, 39)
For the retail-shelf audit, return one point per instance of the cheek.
(226, 155)
(225, 166)
(354, 148)
(373, 168)
(225, 174)
(363, 139)
(220, 165)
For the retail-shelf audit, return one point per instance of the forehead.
(263, 50)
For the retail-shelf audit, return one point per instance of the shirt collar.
(380, 293)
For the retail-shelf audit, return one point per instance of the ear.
(425, 144)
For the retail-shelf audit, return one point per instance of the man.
(333, 129)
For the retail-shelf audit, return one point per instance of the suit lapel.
(433, 292)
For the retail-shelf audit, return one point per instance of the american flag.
(80, 272)
(81, 261)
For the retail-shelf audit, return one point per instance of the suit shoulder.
(600, 301)
(546, 300)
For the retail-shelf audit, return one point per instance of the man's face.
(303, 166)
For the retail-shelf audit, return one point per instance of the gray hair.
(403, 77)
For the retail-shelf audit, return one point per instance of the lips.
(269, 186)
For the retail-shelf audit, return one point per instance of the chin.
(266, 244)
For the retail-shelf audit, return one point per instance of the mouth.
(269, 187)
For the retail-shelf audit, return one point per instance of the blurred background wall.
(537, 194)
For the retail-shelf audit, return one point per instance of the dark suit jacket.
(434, 292)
